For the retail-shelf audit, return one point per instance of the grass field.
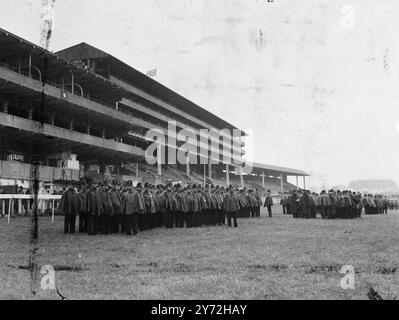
(278, 258)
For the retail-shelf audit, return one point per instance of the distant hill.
(339, 187)
(373, 185)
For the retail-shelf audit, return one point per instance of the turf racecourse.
(278, 258)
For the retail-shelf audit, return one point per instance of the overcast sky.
(319, 89)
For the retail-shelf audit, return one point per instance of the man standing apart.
(269, 202)
(231, 207)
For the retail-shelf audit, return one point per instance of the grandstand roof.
(12, 45)
(278, 170)
(84, 51)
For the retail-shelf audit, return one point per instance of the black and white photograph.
(199, 155)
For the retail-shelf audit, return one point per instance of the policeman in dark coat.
(197, 207)
(257, 209)
(304, 205)
(246, 211)
(313, 205)
(210, 211)
(143, 213)
(168, 216)
(283, 202)
(218, 201)
(123, 193)
(189, 198)
(130, 208)
(115, 198)
(253, 203)
(157, 220)
(231, 206)
(70, 206)
(98, 210)
(324, 203)
(150, 208)
(294, 204)
(289, 203)
(244, 204)
(203, 217)
(83, 213)
(181, 207)
(106, 212)
(268, 203)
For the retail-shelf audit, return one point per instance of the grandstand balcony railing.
(169, 109)
(230, 146)
(60, 86)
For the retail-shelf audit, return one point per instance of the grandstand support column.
(282, 182)
(137, 169)
(263, 179)
(5, 107)
(52, 119)
(72, 82)
(204, 174)
(159, 161)
(227, 175)
(210, 170)
(304, 183)
(241, 178)
(187, 165)
(297, 187)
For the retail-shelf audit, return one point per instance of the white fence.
(48, 200)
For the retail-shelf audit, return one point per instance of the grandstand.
(82, 112)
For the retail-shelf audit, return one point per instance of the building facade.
(81, 110)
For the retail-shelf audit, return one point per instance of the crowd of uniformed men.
(111, 207)
(334, 204)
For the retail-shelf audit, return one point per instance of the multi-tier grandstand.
(82, 112)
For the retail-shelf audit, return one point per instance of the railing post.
(9, 212)
(52, 214)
